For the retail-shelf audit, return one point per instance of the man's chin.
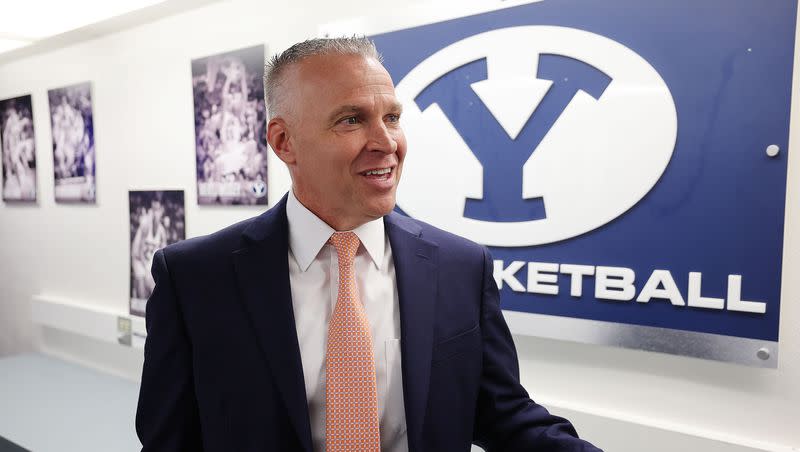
(381, 209)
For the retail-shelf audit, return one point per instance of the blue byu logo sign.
(625, 167)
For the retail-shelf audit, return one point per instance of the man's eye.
(350, 121)
(393, 118)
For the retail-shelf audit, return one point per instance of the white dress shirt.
(314, 278)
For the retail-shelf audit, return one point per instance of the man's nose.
(381, 139)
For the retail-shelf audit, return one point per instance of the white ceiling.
(31, 26)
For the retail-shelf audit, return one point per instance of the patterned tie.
(351, 413)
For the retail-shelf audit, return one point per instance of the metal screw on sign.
(773, 150)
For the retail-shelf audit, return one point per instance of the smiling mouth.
(378, 173)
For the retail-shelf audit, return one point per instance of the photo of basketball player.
(230, 127)
(18, 149)
(157, 219)
(73, 143)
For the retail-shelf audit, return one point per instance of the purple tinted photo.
(230, 127)
(73, 143)
(18, 149)
(157, 219)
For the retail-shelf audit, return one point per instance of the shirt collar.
(308, 234)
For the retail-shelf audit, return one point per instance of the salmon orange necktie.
(351, 413)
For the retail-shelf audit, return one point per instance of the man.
(150, 236)
(329, 322)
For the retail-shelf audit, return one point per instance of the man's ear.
(278, 139)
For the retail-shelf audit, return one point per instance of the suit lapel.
(415, 261)
(262, 269)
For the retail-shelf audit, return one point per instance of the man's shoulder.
(446, 241)
(225, 240)
(231, 238)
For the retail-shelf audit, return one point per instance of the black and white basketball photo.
(157, 219)
(72, 124)
(230, 129)
(18, 149)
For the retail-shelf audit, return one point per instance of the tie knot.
(346, 244)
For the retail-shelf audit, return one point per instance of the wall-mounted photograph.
(230, 127)
(73, 143)
(157, 219)
(18, 149)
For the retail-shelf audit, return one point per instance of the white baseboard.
(95, 322)
(89, 335)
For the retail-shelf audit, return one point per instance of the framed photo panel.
(230, 127)
(72, 124)
(157, 219)
(18, 149)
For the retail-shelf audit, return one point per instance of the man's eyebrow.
(342, 110)
(395, 107)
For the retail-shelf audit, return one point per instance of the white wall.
(625, 400)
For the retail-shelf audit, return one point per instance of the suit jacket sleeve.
(507, 419)
(167, 415)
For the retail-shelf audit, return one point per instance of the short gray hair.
(276, 66)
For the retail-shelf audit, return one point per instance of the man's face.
(157, 209)
(342, 125)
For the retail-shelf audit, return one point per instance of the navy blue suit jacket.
(222, 368)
